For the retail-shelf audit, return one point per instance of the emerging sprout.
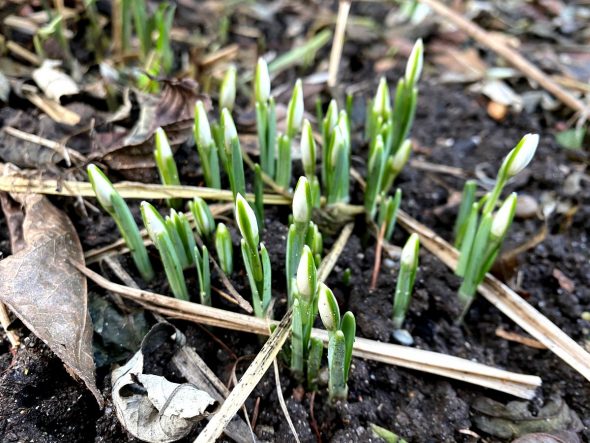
(522, 154)
(395, 164)
(415, 62)
(374, 175)
(182, 236)
(341, 339)
(503, 218)
(166, 164)
(388, 212)
(224, 248)
(295, 110)
(262, 81)
(206, 147)
(201, 260)
(204, 221)
(114, 204)
(302, 204)
(233, 162)
(308, 150)
(227, 90)
(405, 280)
(256, 260)
(162, 239)
(306, 274)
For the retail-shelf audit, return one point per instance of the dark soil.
(40, 402)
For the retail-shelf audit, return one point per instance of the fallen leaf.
(571, 138)
(53, 82)
(45, 292)
(564, 281)
(173, 110)
(150, 407)
(515, 419)
(542, 437)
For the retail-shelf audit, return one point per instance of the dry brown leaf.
(172, 110)
(564, 281)
(45, 291)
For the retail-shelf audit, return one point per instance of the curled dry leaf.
(40, 286)
(150, 407)
(515, 419)
(172, 110)
(53, 82)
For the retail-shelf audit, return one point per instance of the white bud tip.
(301, 201)
(307, 146)
(262, 81)
(381, 102)
(327, 308)
(402, 155)
(103, 188)
(524, 154)
(203, 130)
(410, 250)
(303, 276)
(152, 219)
(298, 105)
(162, 144)
(243, 209)
(504, 216)
(415, 62)
(229, 128)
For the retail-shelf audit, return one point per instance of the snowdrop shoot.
(405, 280)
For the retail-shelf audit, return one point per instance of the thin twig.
(282, 401)
(510, 55)
(338, 42)
(378, 250)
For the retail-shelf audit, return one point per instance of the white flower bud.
(401, 157)
(162, 145)
(153, 221)
(202, 129)
(295, 110)
(522, 154)
(247, 223)
(328, 308)
(503, 217)
(262, 81)
(338, 145)
(302, 206)
(306, 274)
(381, 103)
(227, 91)
(410, 251)
(229, 128)
(102, 187)
(415, 62)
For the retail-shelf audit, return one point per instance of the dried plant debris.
(40, 286)
(515, 419)
(150, 407)
(172, 109)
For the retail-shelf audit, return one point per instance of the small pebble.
(388, 263)
(403, 337)
(526, 206)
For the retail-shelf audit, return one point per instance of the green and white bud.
(415, 63)
(163, 145)
(306, 274)
(332, 114)
(343, 125)
(503, 218)
(102, 186)
(247, 223)
(204, 221)
(410, 251)
(153, 221)
(201, 129)
(227, 90)
(302, 201)
(328, 308)
(308, 149)
(229, 128)
(400, 158)
(295, 110)
(382, 101)
(522, 154)
(338, 145)
(262, 81)
(224, 248)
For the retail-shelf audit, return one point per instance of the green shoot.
(201, 260)
(265, 118)
(388, 212)
(405, 280)
(341, 334)
(374, 175)
(255, 255)
(227, 90)
(182, 236)
(204, 221)
(206, 147)
(224, 248)
(285, 141)
(308, 160)
(162, 239)
(233, 162)
(481, 233)
(113, 203)
(302, 209)
(336, 164)
(467, 200)
(166, 164)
